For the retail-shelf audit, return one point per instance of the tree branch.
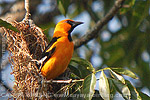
(5, 86)
(27, 9)
(64, 81)
(99, 25)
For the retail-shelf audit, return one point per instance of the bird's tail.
(39, 63)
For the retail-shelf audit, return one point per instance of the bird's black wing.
(47, 55)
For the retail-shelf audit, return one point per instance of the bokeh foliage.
(128, 47)
(125, 47)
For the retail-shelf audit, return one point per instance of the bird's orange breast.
(59, 61)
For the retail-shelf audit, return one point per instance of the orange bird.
(58, 53)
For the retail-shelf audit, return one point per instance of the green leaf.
(122, 89)
(112, 89)
(83, 72)
(143, 96)
(117, 76)
(104, 87)
(63, 6)
(80, 67)
(76, 71)
(124, 72)
(7, 25)
(84, 63)
(134, 93)
(89, 84)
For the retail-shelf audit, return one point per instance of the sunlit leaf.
(7, 25)
(134, 93)
(89, 84)
(124, 72)
(122, 89)
(104, 87)
(117, 76)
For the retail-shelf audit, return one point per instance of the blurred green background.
(123, 42)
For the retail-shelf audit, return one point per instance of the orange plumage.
(58, 53)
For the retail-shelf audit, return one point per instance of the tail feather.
(40, 63)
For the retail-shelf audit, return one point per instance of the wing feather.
(49, 50)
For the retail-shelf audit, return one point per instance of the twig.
(66, 86)
(5, 86)
(99, 25)
(27, 10)
(64, 81)
(76, 90)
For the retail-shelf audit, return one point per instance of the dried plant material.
(23, 47)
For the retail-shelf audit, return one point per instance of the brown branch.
(99, 25)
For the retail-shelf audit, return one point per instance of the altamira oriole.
(58, 53)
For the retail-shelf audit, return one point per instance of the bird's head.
(65, 27)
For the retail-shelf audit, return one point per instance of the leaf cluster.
(108, 86)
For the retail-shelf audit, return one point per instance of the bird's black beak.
(75, 23)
